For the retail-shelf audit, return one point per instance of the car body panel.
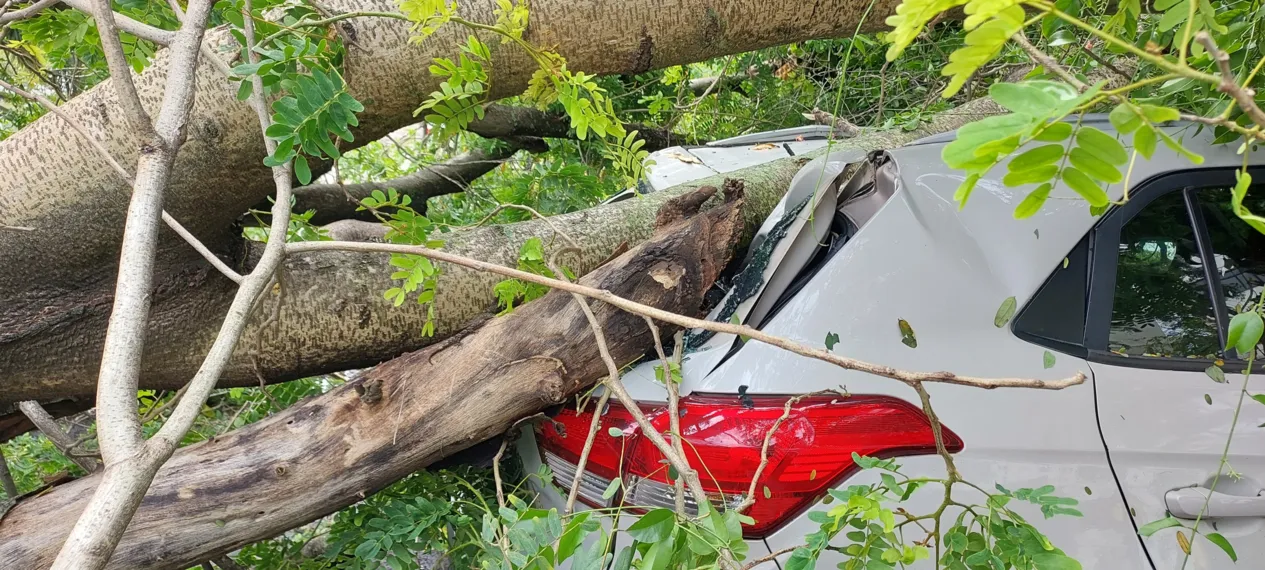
(1162, 434)
(947, 271)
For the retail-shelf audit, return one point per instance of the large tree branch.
(332, 315)
(340, 201)
(219, 174)
(242, 487)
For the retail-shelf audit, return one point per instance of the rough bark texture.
(332, 450)
(58, 278)
(501, 121)
(334, 202)
(332, 314)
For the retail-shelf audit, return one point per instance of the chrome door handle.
(1187, 503)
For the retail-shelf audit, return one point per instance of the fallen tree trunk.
(333, 450)
(332, 315)
(54, 183)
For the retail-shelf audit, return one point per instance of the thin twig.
(6, 479)
(938, 433)
(61, 440)
(689, 322)
(121, 73)
(1244, 96)
(771, 556)
(594, 425)
(749, 499)
(159, 409)
(510, 434)
(674, 403)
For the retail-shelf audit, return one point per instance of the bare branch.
(6, 479)
(1243, 95)
(121, 71)
(749, 499)
(48, 426)
(692, 323)
(27, 12)
(252, 286)
(594, 425)
(341, 201)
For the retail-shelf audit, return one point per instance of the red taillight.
(810, 452)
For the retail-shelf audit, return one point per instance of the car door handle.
(1187, 503)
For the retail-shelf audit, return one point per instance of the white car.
(1124, 297)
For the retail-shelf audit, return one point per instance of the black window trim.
(1104, 254)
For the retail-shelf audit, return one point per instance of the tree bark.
(54, 184)
(503, 121)
(333, 450)
(334, 202)
(332, 315)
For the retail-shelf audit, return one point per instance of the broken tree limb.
(68, 196)
(401, 416)
(334, 202)
(505, 121)
(332, 315)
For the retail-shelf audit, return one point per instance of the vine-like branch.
(634, 307)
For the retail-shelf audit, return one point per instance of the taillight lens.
(810, 452)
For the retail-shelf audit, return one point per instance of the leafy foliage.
(531, 258)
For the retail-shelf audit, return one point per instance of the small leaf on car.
(1004, 312)
(1183, 542)
(1152, 527)
(1047, 360)
(907, 334)
(1223, 544)
(831, 340)
(1216, 373)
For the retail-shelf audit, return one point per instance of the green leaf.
(801, 559)
(1054, 132)
(301, 170)
(654, 526)
(1220, 541)
(982, 45)
(615, 432)
(1259, 398)
(1095, 167)
(1032, 203)
(624, 560)
(907, 333)
(1023, 98)
(1054, 561)
(961, 153)
(611, 488)
(244, 90)
(1004, 312)
(1086, 187)
(1031, 176)
(1102, 145)
(1047, 360)
(1036, 157)
(1177, 147)
(1216, 373)
(1158, 114)
(1152, 527)
(1245, 332)
(1144, 140)
(832, 339)
(1124, 119)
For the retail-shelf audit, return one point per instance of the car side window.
(1239, 250)
(1162, 305)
